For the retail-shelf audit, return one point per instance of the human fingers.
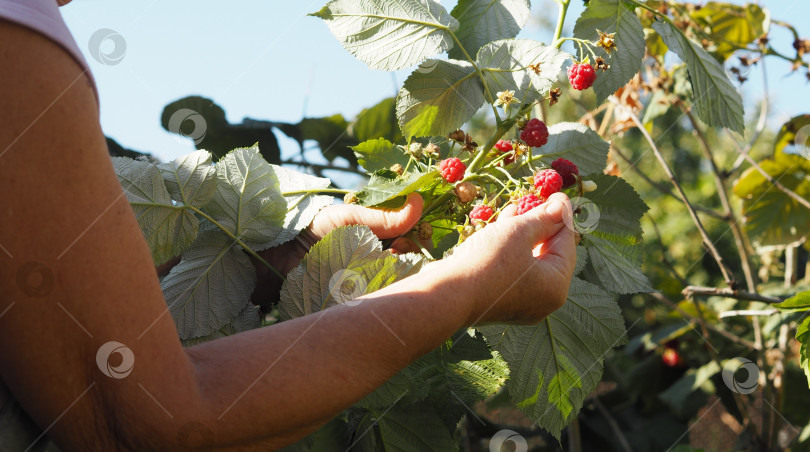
(544, 221)
(384, 223)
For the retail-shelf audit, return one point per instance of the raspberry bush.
(218, 216)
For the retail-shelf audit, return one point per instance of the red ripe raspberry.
(528, 203)
(504, 146)
(671, 357)
(547, 182)
(481, 212)
(452, 169)
(581, 76)
(535, 134)
(567, 170)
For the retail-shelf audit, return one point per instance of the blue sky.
(268, 60)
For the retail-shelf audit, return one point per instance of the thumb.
(544, 221)
(384, 223)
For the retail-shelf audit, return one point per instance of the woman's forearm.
(303, 371)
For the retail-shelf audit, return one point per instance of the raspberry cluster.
(504, 146)
(527, 203)
(581, 76)
(481, 212)
(452, 169)
(567, 170)
(535, 134)
(547, 182)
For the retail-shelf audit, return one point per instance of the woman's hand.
(385, 223)
(517, 269)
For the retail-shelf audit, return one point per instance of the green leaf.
(613, 218)
(615, 260)
(301, 207)
(557, 364)
(799, 302)
(716, 100)
(677, 396)
(379, 121)
(620, 208)
(483, 21)
(210, 286)
(732, 27)
(657, 106)
(381, 188)
(414, 428)
(168, 229)
(247, 319)
(390, 35)
(505, 66)
(577, 143)
(453, 387)
(330, 132)
(772, 218)
(438, 97)
(191, 179)
(612, 16)
(796, 129)
(803, 337)
(347, 263)
(248, 202)
(379, 154)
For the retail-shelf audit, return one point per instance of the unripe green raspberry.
(588, 186)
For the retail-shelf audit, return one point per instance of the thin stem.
(727, 276)
(748, 312)
(776, 183)
(237, 240)
(661, 187)
(763, 116)
(736, 339)
(722, 193)
(613, 425)
(690, 291)
(560, 22)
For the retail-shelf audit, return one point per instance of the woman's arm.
(92, 281)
